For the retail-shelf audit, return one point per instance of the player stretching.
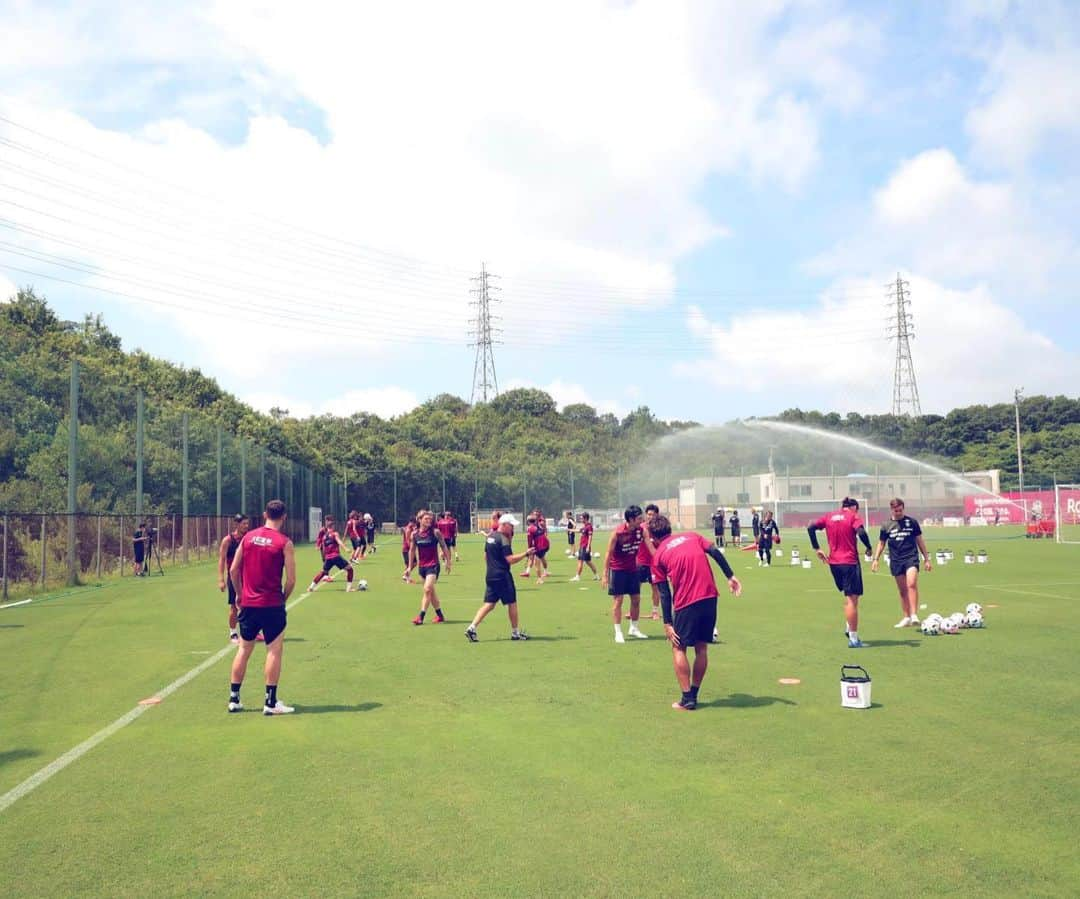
(841, 529)
(645, 557)
(621, 572)
(684, 578)
(226, 554)
(263, 556)
(425, 548)
(905, 541)
(331, 546)
(354, 530)
(499, 580)
(768, 533)
(584, 556)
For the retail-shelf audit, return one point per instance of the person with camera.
(140, 548)
(226, 554)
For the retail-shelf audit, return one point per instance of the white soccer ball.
(973, 607)
(949, 626)
(934, 616)
(362, 585)
(959, 618)
(974, 619)
(931, 627)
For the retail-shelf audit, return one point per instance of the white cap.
(509, 519)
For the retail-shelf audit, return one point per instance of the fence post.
(243, 476)
(3, 574)
(172, 548)
(395, 498)
(262, 477)
(140, 403)
(73, 474)
(572, 504)
(43, 550)
(121, 546)
(184, 487)
(219, 471)
(98, 566)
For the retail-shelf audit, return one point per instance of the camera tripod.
(152, 553)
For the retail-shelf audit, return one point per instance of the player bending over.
(841, 530)
(684, 579)
(332, 548)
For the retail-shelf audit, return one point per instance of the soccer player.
(499, 580)
(369, 532)
(424, 550)
(905, 540)
(541, 543)
(332, 547)
(718, 525)
(406, 547)
(644, 559)
(226, 554)
(354, 530)
(621, 572)
(139, 542)
(755, 524)
(447, 526)
(768, 533)
(571, 527)
(685, 580)
(736, 528)
(261, 558)
(585, 548)
(841, 530)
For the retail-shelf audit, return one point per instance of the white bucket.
(940, 557)
(854, 687)
(806, 563)
(982, 558)
(969, 558)
(949, 555)
(779, 553)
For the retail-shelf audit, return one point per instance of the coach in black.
(500, 587)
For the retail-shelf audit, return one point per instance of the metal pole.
(184, 487)
(524, 500)
(573, 505)
(73, 473)
(42, 550)
(262, 478)
(1017, 396)
(140, 423)
(99, 546)
(444, 491)
(243, 476)
(620, 487)
(121, 546)
(395, 497)
(3, 573)
(219, 471)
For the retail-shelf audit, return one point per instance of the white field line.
(73, 755)
(11, 605)
(1031, 584)
(1027, 592)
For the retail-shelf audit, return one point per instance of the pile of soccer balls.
(935, 624)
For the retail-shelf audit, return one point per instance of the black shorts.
(848, 579)
(425, 570)
(270, 620)
(451, 541)
(356, 541)
(584, 555)
(232, 591)
(644, 573)
(570, 537)
(405, 557)
(335, 562)
(695, 623)
(898, 567)
(500, 590)
(622, 583)
(736, 532)
(541, 553)
(139, 551)
(370, 535)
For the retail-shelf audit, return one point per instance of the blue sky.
(695, 207)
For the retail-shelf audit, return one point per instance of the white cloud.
(969, 348)
(7, 290)
(385, 402)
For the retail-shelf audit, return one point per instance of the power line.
(901, 329)
(484, 338)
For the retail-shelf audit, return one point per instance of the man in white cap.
(500, 581)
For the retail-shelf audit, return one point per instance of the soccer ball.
(931, 627)
(361, 585)
(949, 626)
(973, 607)
(974, 619)
(960, 618)
(934, 616)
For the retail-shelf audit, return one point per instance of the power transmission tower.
(485, 336)
(905, 400)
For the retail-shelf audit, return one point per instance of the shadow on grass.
(14, 755)
(11, 625)
(872, 644)
(744, 701)
(326, 709)
(295, 640)
(542, 639)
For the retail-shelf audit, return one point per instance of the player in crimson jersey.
(841, 530)
(332, 548)
(263, 555)
(684, 578)
(354, 531)
(425, 547)
(644, 558)
(226, 554)
(406, 546)
(541, 544)
(447, 526)
(621, 572)
(584, 555)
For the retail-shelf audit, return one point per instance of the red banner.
(1016, 508)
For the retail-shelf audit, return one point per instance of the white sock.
(853, 635)
(618, 628)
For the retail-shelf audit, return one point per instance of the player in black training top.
(499, 579)
(767, 534)
(718, 526)
(904, 538)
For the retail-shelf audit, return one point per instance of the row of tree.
(517, 449)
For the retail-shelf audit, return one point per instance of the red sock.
(319, 577)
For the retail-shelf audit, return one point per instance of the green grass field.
(419, 764)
